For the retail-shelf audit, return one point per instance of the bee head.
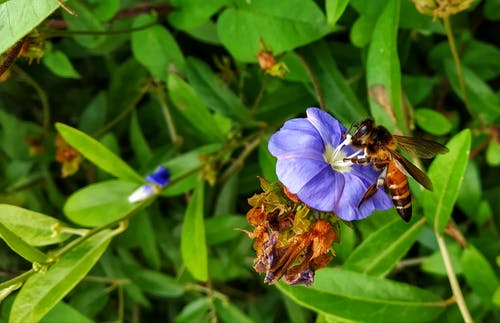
(364, 128)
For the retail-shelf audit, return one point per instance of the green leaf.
(8, 287)
(383, 70)
(434, 263)
(138, 142)
(470, 194)
(86, 21)
(16, 131)
(189, 14)
(194, 311)
(364, 26)
(280, 25)
(296, 314)
(181, 166)
(206, 33)
(156, 49)
(35, 228)
(193, 109)
(193, 242)
(267, 162)
(90, 298)
(352, 296)
(101, 203)
(481, 58)
(284, 103)
(446, 173)
(493, 153)
(42, 291)
(113, 266)
(141, 233)
(229, 312)
(213, 91)
(380, 252)
(98, 153)
(334, 9)
(418, 88)
(21, 247)
(222, 228)
(59, 64)
(156, 283)
(19, 17)
(432, 121)
(63, 312)
(482, 99)
(339, 97)
(492, 9)
(496, 297)
(128, 83)
(228, 196)
(413, 20)
(344, 249)
(94, 115)
(105, 10)
(479, 274)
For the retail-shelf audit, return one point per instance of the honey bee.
(379, 147)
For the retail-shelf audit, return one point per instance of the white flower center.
(335, 157)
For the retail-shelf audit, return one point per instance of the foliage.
(91, 103)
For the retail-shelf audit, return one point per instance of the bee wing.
(422, 147)
(407, 167)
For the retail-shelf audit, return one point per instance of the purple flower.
(311, 164)
(160, 177)
(155, 181)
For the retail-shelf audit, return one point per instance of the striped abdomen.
(397, 183)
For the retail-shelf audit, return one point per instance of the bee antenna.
(353, 126)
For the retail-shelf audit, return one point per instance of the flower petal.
(347, 207)
(142, 193)
(295, 135)
(328, 127)
(294, 173)
(323, 191)
(160, 177)
(381, 201)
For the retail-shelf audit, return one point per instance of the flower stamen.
(337, 158)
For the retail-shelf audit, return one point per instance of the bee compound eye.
(361, 131)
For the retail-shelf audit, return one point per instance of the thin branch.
(456, 59)
(455, 287)
(62, 33)
(240, 161)
(44, 100)
(314, 81)
(159, 94)
(123, 114)
(11, 56)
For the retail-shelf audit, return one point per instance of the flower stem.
(314, 81)
(23, 76)
(249, 146)
(126, 111)
(68, 33)
(159, 93)
(456, 59)
(455, 287)
(17, 280)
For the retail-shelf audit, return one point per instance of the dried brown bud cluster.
(268, 63)
(292, 241)
(441, 8)
(68, 156)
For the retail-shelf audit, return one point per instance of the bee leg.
(375, 187)
(359, 160)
